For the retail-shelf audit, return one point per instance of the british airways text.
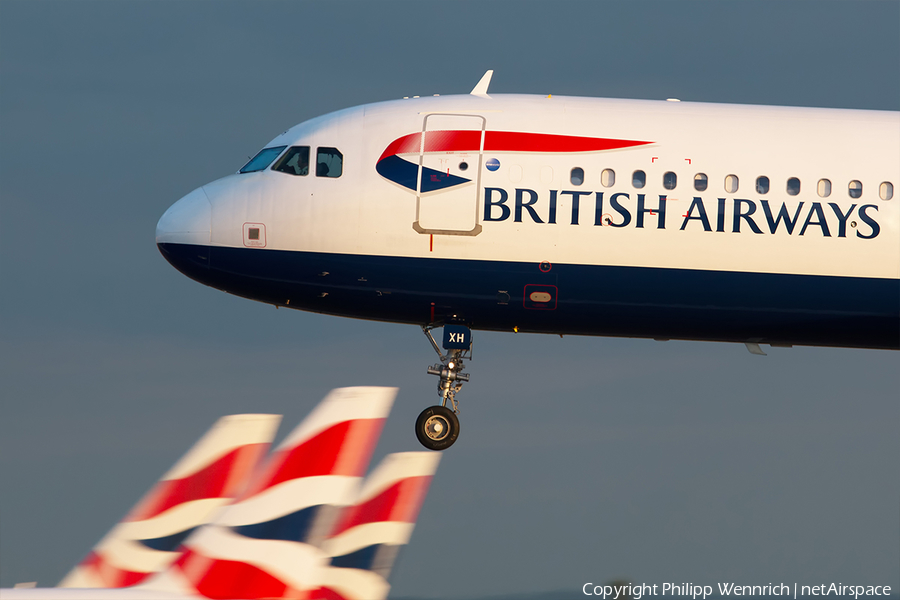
(722, 215)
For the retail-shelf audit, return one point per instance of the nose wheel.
(438, 426)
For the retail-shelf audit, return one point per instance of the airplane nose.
(188, 221)
(183, 234)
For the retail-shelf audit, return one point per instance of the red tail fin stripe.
(341, 405)
(400, 502)
(220, 479)
(231, 579)
(228, 432)
(356, 453)
(225, 566)
(326, 593)
(342, 449)
(352, 584)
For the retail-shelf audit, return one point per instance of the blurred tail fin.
(211, 474)
(266, 544)
(369, 534)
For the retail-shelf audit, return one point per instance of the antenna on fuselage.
(482, 87)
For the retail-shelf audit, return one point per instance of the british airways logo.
(734, 215)
(392, 166)
(609, 209)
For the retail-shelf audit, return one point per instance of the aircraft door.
(449, 178)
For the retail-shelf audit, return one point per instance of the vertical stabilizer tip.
(482, 87)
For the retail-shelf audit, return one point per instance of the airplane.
(302, 528)
(563, 215)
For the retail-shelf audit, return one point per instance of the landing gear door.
(449, 180)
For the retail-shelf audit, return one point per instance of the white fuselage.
(538, 208)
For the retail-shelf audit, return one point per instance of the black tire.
(437, 427)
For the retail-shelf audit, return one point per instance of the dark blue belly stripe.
(572, 299)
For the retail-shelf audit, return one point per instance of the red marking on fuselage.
(501, 141)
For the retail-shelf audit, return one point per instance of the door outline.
(476, 205)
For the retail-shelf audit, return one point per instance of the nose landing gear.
(437, 426)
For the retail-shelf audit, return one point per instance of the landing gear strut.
(437, 426)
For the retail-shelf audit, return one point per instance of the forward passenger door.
(448, 186)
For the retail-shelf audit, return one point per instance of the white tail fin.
(209, 476)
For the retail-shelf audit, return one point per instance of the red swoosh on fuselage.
(502, 141)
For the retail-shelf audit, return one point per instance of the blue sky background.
(580, 459)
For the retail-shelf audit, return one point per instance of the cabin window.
(824, 188)
(793, 186)
(263, 159)
(855, 189)
(638, 179)
(329, 162)
(576, 176)
(294, 162)
(762, 185)
(701, 182)
(608, 178)
(886, 190)
(670, 180)
(731, 183)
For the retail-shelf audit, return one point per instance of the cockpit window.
(294, 162)
(329, 162)
(263, 159)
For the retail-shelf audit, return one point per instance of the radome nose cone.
(188, 221)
